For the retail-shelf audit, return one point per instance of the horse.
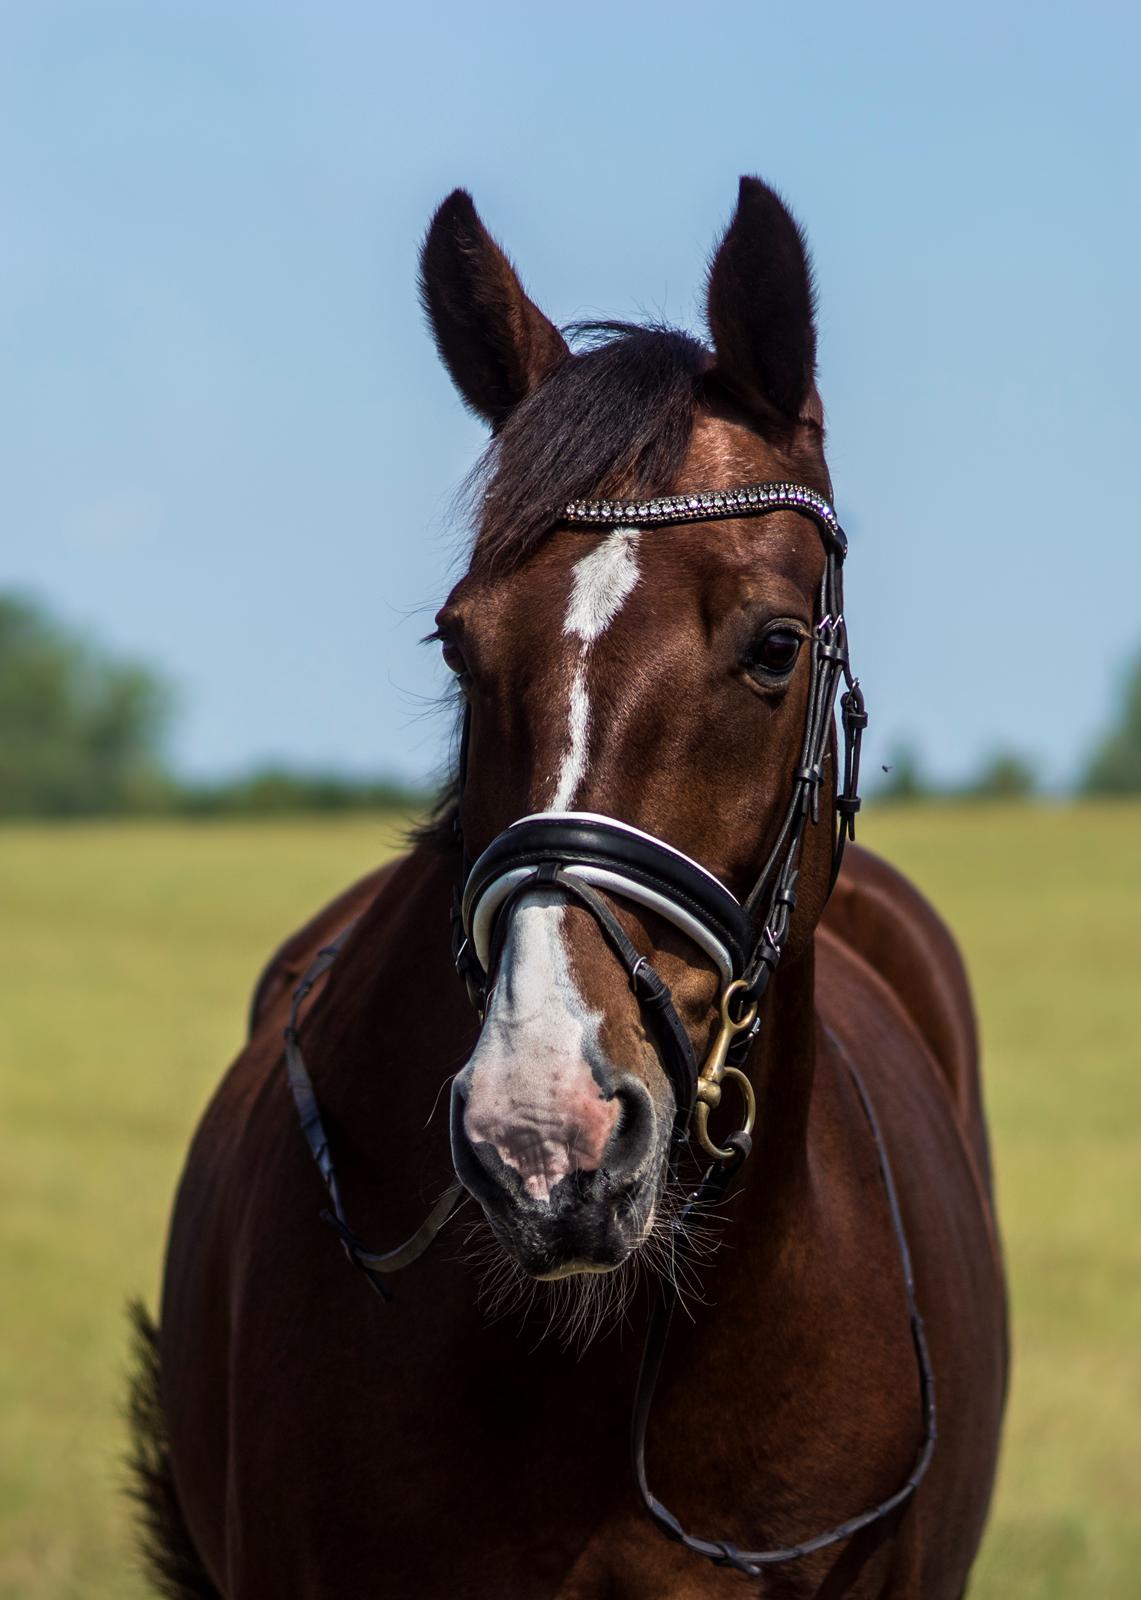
(627, 1006)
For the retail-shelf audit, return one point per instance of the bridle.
(585, 856)
(579, 853)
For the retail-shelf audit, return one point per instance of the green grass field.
(127, 954)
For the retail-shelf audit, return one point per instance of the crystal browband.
(709, 506)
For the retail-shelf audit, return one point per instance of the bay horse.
(690, 1060)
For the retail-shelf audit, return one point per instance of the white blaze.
(600, 584)
(533, 1094)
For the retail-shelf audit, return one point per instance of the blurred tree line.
(84, 734)
(1116, 764)
(1005, 775)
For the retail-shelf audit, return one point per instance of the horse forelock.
(615, 418)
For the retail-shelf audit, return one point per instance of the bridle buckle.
(716, 1070)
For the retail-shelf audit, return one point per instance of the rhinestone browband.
(708, 506)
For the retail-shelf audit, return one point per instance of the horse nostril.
(471, 1166)
(632, 1137)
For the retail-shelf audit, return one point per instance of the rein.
(374, 1266)
(720, 1551)
(578, 854)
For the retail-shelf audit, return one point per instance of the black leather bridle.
(586, 856)
(580, 853)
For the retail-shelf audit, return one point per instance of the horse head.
(657, 677)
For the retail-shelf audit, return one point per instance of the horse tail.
(170, 1558)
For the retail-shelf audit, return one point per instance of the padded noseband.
(620, 859)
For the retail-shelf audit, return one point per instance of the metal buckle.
(715, 1071)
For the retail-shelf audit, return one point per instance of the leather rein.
(584, 856)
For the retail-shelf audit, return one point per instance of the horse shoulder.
(884, 920)
(893, 1007)
(231, 1192)
(281, 973)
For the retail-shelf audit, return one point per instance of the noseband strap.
(620, 859)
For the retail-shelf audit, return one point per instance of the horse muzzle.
(569, 1184)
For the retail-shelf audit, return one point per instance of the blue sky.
(226, 444)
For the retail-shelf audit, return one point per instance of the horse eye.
(453, 657)
(449, 649)
(776, 651)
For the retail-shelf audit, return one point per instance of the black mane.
(614, 419)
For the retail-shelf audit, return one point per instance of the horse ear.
(494, 341)
(760, 307)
